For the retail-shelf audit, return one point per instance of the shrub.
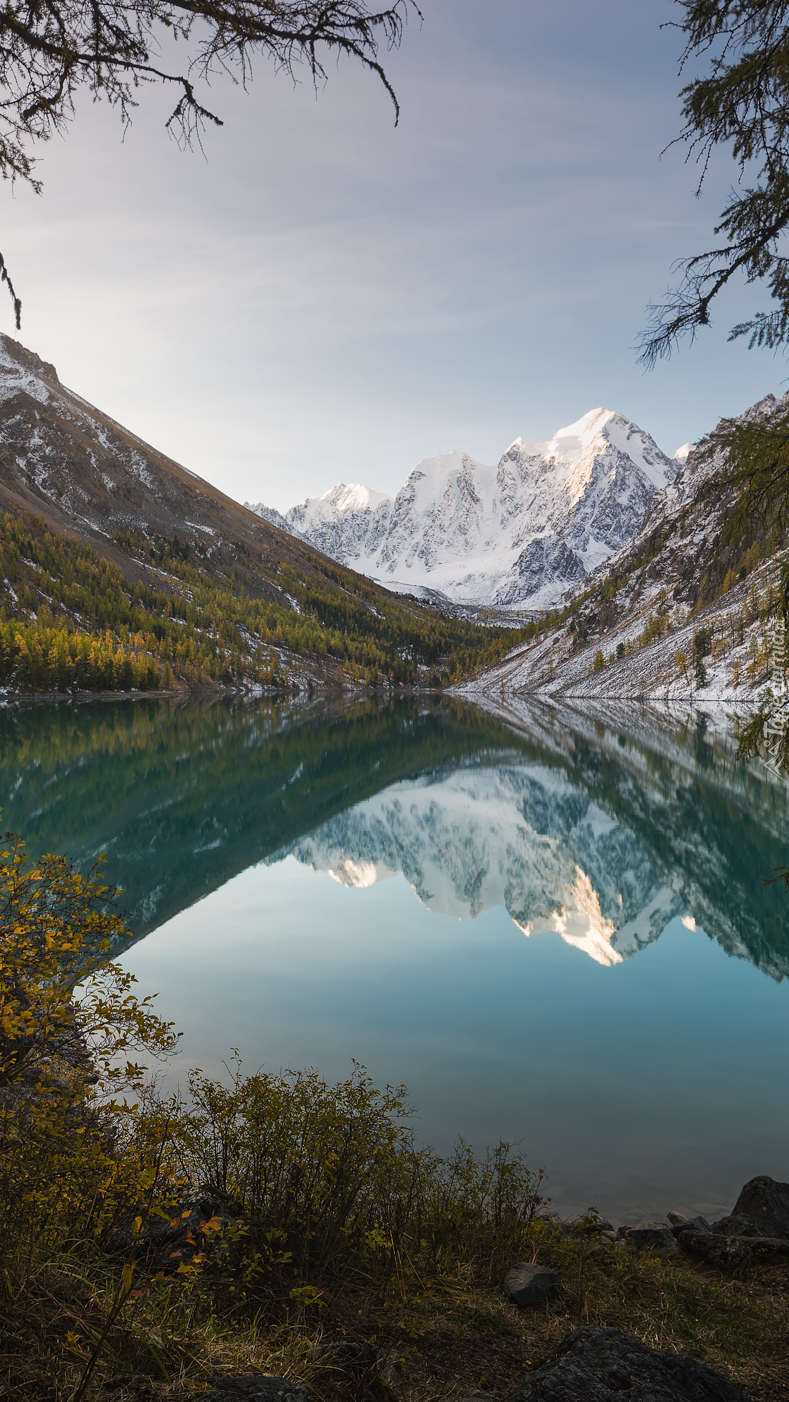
(320, 1182)
(70, 1027)
(328, 1179)
(57, 990)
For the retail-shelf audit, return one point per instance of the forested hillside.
(70, 620)
(123, 570)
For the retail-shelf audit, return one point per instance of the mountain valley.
(591, 565)
(122, 570)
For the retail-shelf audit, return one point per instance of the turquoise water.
(552, 927)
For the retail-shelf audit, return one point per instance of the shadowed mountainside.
(120, 569)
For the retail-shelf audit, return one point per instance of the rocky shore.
(758, 1222)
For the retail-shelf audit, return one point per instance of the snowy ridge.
(652, 584)
(521, 533)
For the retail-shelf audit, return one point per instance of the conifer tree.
(739, 101)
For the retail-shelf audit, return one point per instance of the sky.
(323, 296)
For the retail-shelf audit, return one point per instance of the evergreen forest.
(72, 620)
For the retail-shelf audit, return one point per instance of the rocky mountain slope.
(680, 612)
(516, 535)
(126, 568)
(85, 474)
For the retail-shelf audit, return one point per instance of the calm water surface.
(552, 926)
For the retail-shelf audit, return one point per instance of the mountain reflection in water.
(601, 825)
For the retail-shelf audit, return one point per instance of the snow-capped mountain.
(520, 533)
(643, 609)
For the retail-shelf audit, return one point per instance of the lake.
(550, 923)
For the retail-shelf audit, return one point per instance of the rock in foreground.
(758, 1222)
(528, 1284)
(603, 1365)
(761, 1210)
(648, 1234)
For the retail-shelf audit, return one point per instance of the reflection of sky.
(657, 1083)
(329, 298)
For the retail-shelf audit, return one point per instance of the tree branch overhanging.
(50, 49)
(742, 101)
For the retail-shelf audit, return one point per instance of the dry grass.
(443, 1335)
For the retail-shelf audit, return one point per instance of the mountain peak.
(521, 533)
(352, 498)
(596, 430)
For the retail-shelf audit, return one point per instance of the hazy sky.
(327, 297)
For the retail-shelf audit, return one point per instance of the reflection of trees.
(183, 796)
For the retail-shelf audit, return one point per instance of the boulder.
(689, 1224)
(648, 1234)
(603, 1365)
(725, 1251)
(735, 1226)
(259, 1387)
(721, 1251)
(676, 1218)
(349, 1354)
(762, 1209)
(758, 1222)
(528, 1284)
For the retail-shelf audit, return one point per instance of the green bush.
(328, 1179)
(319, 1183)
